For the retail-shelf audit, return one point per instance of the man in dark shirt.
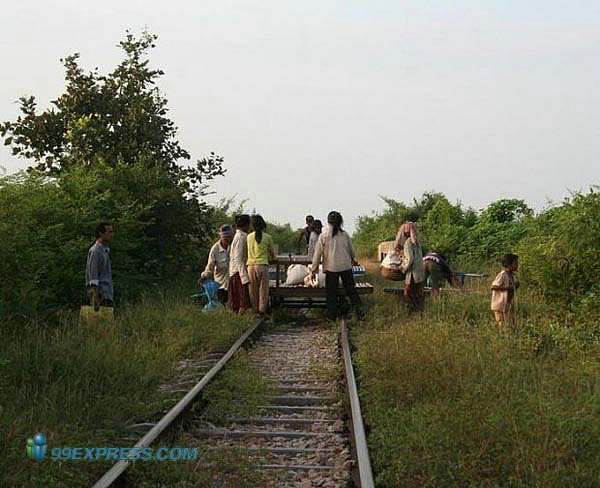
(304, 235)
(98, 270)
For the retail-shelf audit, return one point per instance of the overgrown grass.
(236, 392)
(452, 401)
(223, 468)
(81, 384)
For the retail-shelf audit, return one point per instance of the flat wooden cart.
(300, 296)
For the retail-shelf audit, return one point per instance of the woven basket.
(392, 274)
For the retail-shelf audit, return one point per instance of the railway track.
(309, 432)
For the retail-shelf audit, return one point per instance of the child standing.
(503, 291)
(260, 252)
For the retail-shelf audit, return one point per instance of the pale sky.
(321, 105)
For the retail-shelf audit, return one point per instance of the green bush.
(284, 237)
(378, 227)
(104, 151)
(48, 224)
(560, 254)
(459, 233)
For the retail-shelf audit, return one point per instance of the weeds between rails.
(275, 417)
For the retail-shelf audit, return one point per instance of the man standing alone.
(98, 272)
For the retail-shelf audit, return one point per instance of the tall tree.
(118, 118)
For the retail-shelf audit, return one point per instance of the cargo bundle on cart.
(296, 293)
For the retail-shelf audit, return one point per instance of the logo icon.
(36, 447)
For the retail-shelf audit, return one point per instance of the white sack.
(296, 274)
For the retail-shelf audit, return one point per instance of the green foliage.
(560, 254)
(284, 237)
(449, 228)
(48, 226)
(489, 240)
(424, 204)
(83, 383)
(117, 118)
(444, 227)
(506, 211)
(105, 151)
(378, 227)
(474, 406)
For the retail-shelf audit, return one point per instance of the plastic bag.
(211, 288)
(312, 281)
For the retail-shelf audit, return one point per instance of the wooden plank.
(287, 259)
(306, 292)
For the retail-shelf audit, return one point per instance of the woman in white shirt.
(335, 248)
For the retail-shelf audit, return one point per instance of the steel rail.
(118, 468)
(365, 473)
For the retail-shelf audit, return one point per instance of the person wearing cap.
(218, 262)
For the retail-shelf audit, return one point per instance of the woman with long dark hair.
(334, 247)
(260, 252)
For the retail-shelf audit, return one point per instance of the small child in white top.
(503, 290)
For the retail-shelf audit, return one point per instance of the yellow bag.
(104, 314)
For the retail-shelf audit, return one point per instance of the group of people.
(433, 267)
(239, 263)
(419, 269)
(307, 239)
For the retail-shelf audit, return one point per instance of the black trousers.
(332, 281)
